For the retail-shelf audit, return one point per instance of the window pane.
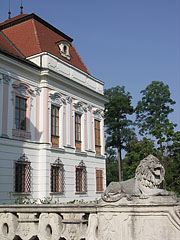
(54, 121)
(23, 103)
(20, 113)
(22, 125)
(17, 101)
(17, 114)
(17, 123)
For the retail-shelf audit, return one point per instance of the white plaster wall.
(10, 110)
(1, 102)
(11, 150)
(40, 154)
(67, 70)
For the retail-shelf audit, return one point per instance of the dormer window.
(64, 49)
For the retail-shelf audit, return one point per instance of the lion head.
(150, 172)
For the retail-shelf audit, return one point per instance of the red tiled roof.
(13, 19)
(32, 35)
(6, 46)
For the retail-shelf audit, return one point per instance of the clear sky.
(122, 42)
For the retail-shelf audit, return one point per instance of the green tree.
(111, 166)
(136, 151)
(173, 169)
(152, 113)
(118, 129)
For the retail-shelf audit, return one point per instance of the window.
(78, 131)
(22, 96)
(22, 175)
(81, 178)
(64, 48)
(55, 125)
(97, 137)
(57, 177)
(99, 180)
(20, 113)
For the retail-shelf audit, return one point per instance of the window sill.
(99, 192)
(80, 193)
(21, 193)
(80, 153)
(57, 149)
(56, 193)
(99, 156)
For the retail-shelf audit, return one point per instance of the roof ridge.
(18, 19)
(36, 35)
(81, 60)
(12, 44)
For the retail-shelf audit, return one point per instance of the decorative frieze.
(69, 99)
(37, 91)
(6, 79)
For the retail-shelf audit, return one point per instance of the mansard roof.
(27, 34)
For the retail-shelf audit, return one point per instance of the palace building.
(51, 116)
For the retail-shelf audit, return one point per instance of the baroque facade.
(51, 116)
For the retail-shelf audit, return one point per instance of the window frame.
(97, 133)
(22, 182)
(55, 125)
(99, 180)
(58, 186)
(22, 90)
(20, 111)
(78, 131)
(81, 179)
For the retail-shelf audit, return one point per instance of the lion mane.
(148, 177)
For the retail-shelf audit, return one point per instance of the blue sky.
(122, 42)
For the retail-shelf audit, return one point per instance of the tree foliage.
(111, 166)
(118, 129)
(152, 119)
(136, 151)
(173, 168)
(152, 113)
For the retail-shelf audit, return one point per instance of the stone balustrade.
(139, 219)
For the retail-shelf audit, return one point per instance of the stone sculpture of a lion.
(149, 175)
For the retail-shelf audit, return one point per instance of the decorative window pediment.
(22, 89)
(64, 48)
(80, 107)
(56, 98)
(99, 114)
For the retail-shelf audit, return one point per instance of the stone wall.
(138, 219)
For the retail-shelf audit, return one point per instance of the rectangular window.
(78, 131)
(99, 180)
(80, 179)
(20, 113)
(57, 178)
(97, 137)
(22, 177)
(55, 125)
